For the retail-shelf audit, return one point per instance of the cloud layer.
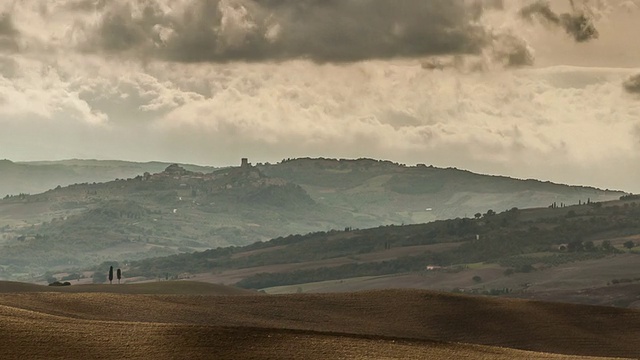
(212, 81)
(320, 30)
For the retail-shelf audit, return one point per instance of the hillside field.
(391, 324)
(585, 254)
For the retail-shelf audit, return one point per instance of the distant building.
(176, 170)
(245, 163)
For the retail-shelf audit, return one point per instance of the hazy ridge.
(185, 209)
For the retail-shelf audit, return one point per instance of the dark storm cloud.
(320, 30)
(6, 25)
(632, 85)
(8, 34)
(576, 24)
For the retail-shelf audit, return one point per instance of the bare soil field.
(172, 287)
(622, 295)
(391, 324)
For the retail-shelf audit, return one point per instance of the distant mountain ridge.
(38, 176)
(413, 194)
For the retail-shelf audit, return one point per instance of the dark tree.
(575, 246)
(589, 246)
(629, 244)
(119, 275)
(110, 274)
(607, 247)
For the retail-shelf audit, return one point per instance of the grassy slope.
(392, 193)
(616, 224)
(392, 324)
(562, 280)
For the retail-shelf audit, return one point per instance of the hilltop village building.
(246, 175)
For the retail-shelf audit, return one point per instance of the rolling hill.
(392, 193)
(39, 176)
(183, 209)
(176, 210)
(394, 324)
(583, 253)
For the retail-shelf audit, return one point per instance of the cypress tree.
(110, 274)
(119, 275)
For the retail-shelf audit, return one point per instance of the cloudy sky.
(531, 89)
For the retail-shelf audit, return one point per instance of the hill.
(553, 251)
(394, 324)
(392, 193)
(39, 176)
(179, 210)
(176, 210)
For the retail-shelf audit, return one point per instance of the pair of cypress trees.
(118, 274)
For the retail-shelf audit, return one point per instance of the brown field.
(156, 288)
(622, 295)
(76, 323)
(232, 276)
(583, 282)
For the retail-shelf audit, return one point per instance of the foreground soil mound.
(401, 324)
(63, 338)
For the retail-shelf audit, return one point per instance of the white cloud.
(550, 116)
(564, 123)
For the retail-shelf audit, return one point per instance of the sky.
(530, 89)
